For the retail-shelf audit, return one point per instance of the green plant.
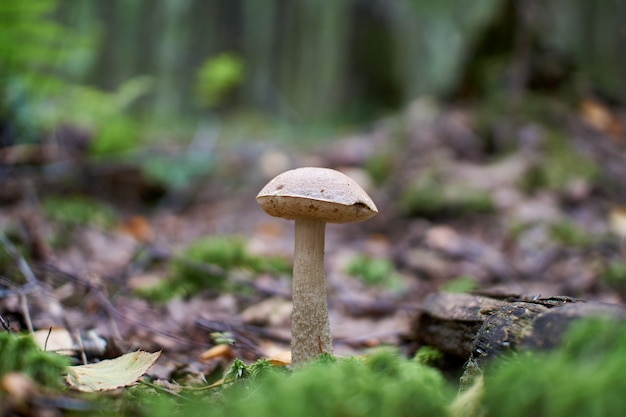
(36, 90)
(31, 52)
(378, 272)
(217, 77)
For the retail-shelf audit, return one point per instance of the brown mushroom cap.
(320, 193)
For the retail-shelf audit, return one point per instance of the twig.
(81, 347)
(18, 259)
(5, 323)
(45, 343)
(26, 312)
(113, 312)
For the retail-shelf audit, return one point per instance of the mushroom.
(313, 197)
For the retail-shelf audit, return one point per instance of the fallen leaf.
(596, 114)
(217, 351)
(111, 374)
(281, 359)
(272, 312)
(139, 228)
(617, 221)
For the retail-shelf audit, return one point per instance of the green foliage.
(35, 96)
(78, 211)
(19, 353)
(106, 113)
(118, 136)
(584, 378)
(377, 272)
(35, 93)
(30, 47)
(464, 283)
(239, 371)
(431, 196)
(177, 171)
(208, 263)
(217, 77)
(379, 167)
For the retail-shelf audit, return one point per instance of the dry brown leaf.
(216, 352)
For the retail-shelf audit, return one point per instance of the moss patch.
(432, 196)
(584, 378)
(208, 264)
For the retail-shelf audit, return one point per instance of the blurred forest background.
(115, 69)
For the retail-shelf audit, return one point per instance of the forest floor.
(531, 204)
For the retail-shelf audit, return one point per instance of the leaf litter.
(87, 276)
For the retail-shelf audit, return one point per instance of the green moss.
(208, 263)
(431, 196)
(379, 167)
(584, 378)
(464, 283)
(20, 354)
(382, 385)
(376, 272)
(614, 275)
(78, 211)
(561, 164)
(569, 233)
(429, 356)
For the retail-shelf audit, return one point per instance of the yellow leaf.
(110, 374)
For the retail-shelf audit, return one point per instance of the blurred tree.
(314, 60)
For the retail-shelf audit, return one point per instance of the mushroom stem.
(310, 328)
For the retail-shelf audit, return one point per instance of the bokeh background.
(123, 70)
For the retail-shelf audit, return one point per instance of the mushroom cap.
(320, 193)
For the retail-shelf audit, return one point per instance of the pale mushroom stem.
(310, 328)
